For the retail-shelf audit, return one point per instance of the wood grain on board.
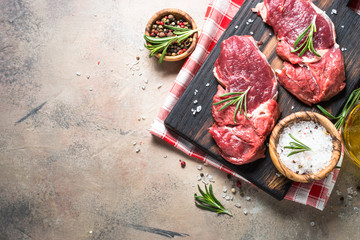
(194, 128)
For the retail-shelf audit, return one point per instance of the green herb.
(352, 100)
(208, 201)
(308, 43)
(296, 146)
(238, 100)
(162, 44)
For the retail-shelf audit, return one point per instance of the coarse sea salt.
(313, 135)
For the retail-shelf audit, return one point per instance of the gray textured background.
(68, 166)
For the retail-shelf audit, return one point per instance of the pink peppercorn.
(238, 184)
(182, 163)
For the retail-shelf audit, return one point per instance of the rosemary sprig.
(308, 43)
(296, 146)
(208, 201)
(352, 100)
(239, 99)
(162, 44)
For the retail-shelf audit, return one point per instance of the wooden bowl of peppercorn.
(156, 27)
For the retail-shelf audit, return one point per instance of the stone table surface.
(72, 105)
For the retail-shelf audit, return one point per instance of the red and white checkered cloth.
(218, 16)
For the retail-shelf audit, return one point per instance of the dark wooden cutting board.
(194, 128)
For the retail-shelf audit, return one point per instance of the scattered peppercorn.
(182, 163)
(341, 198)
(242, 193)
(238, 184)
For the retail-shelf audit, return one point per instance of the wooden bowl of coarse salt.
(305, 147)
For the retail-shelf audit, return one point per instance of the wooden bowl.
(297, 117)
(177, 13)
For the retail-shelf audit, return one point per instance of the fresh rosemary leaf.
(308, 42)
(350, 103)
(165, 49)
(230, 93)
(156, 49)
(228, 104)
(239, 100)
(154, 40)
(302, 36)
(225, 100)
(326, 113)
(161, 44)
(176, 28)
(208, 201)
(295, 152)
(296, 146)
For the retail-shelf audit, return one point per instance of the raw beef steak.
(310, 78)
(241, 66)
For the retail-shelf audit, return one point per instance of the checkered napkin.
(218, 16)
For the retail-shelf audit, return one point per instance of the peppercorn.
(170, 34)
(238, 184)
(162, 34)
(171, 17)
(182, 163)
